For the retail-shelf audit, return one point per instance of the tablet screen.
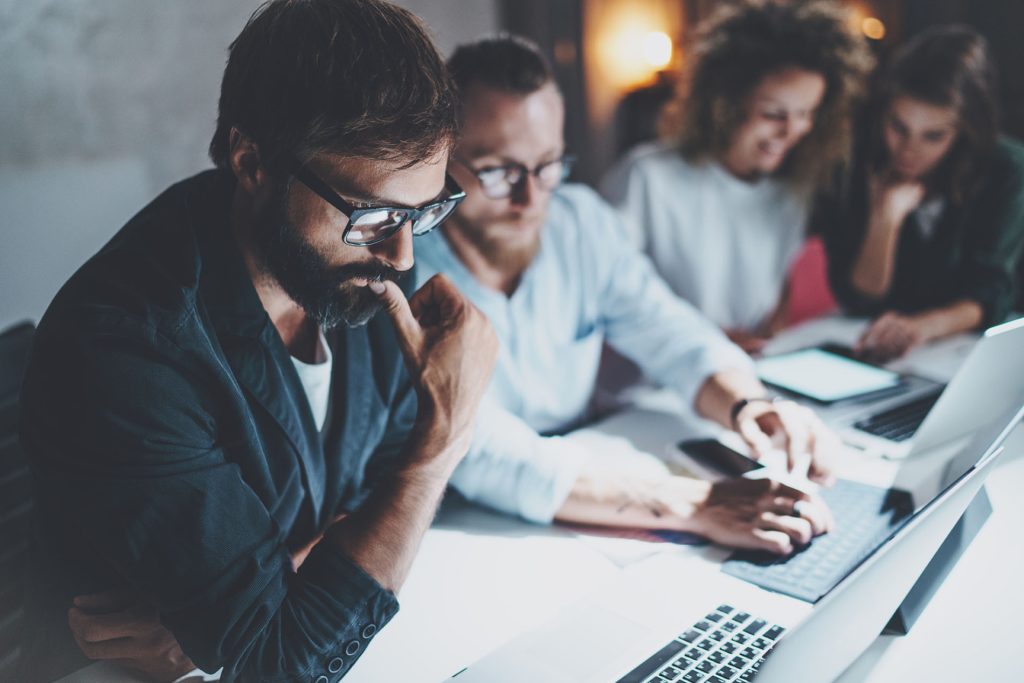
(824, 376)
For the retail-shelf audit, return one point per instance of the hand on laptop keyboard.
(765, 425)
(762, 514)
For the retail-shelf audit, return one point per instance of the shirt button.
(369, 630)
(352, 647)
(334, 666)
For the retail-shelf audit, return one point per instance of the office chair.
(15, 497)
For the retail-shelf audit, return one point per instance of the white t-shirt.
(723, 244)
(316, 381)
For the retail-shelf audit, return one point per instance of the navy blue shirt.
(174, 450)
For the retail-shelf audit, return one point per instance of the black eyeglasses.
(371, 225)
(498, 182)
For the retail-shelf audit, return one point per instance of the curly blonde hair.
(747, 40)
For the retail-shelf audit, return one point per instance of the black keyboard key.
(694, 653)
(681, 663)
(729, 626)
(715, 679)
(740, 638)
(670, 674)
(755, 626)
(727, 672)
(653, 663)
(715, 617)
(717, 656)
(706, 666)
(725, 609)
(702, 626)
(706, 645)
(693, 676)
(774, 632)
(729, 648)
(750, 653)
(690, 636)
(718, 636)
(761, 643)
(738, 662)
(740, 617)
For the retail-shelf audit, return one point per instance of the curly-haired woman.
(721, 204)
(925, 230)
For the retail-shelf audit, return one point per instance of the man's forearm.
(722, 390)
(605, 499)
(384, 534)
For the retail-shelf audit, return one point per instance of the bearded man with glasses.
(238, 425)
(553, 270)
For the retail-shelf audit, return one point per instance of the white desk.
(481, 578)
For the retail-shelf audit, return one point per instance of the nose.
(524, 192)
(396, 251)
(784, 128)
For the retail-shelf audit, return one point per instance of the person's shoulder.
(654, 159)
(147, 275)
(1009, 154)
(575, 206)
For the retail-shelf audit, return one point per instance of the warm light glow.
(657, 49)
(632, 44)
(873, 28)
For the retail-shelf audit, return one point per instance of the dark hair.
(744, 42)
(505, 62)
(355, 77)
(947, 66)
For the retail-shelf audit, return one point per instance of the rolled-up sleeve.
(131, 473)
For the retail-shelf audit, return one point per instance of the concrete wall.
(104, 104)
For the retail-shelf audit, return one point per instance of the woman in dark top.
(925, 230)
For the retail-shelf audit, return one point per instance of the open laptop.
(920, 414)
(676, 617)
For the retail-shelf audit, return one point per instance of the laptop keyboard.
(865, 517)
(726, 645)
(899, 423)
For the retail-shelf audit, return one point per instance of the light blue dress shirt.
(587, 285)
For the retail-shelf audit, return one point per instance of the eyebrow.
(353, 193)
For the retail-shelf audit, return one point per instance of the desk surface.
(482, 578)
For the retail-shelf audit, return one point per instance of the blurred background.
(107, 102)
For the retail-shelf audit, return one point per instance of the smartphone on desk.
(716, 456)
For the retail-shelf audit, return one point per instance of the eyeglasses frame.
(353, 213)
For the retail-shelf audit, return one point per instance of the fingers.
(777, 542)
(813, 510)
(798, 529)
(108, 601)
(410, 334)
(750, 430)
(792, 423)
(94, 628)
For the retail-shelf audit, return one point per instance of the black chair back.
(15, 497)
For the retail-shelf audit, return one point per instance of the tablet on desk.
(823, 375)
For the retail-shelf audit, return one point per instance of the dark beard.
(324, 292)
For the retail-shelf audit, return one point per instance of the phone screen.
(714, 454)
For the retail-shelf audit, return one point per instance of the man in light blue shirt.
(553, 271)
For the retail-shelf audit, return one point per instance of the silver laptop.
(677, 617)
(924, 414)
